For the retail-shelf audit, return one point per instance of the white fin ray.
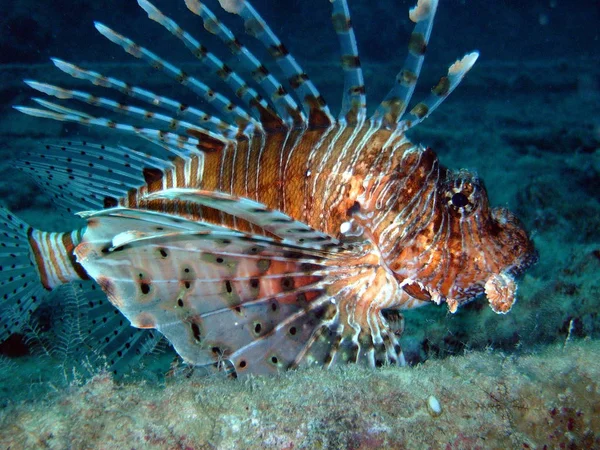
(354, 100)
(284, 104)
(237, 115)
(215, 99)
(396, 101)
(313, 102)
(439, 92)
(60, 108)
(211, 124)
(173, 140)
(273, 221)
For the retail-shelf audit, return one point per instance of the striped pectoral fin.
(367, 324)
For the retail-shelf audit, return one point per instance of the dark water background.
(33, 30)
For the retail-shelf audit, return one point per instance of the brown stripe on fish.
(415, 191)
(336, 188)
(153, 178)
(54, 259)
(69, 241)
(39, 259)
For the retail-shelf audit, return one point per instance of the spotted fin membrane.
(257, 304)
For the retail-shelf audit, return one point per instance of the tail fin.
(31, 263)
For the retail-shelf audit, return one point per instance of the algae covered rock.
(485, 400)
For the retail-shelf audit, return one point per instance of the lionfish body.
(275, 236)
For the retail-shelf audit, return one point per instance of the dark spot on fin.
(145, 288)
(355, 208)
(207, 143)
(153, 178)
(110, 202)
(316, 117)
(196, 331)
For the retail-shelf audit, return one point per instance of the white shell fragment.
(433, 406)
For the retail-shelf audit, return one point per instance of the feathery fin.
(82, 176)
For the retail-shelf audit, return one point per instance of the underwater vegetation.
(550, 399)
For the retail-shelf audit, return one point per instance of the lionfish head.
(468, 248)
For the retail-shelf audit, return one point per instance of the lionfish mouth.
(528, 260)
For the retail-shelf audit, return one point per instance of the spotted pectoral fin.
(272, 221)
(213, 292)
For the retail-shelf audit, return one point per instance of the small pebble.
(433, 406)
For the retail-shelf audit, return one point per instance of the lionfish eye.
(460, 200)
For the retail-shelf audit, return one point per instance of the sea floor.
(480, 400)
(532, 132)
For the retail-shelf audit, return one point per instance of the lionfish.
(270, 234)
